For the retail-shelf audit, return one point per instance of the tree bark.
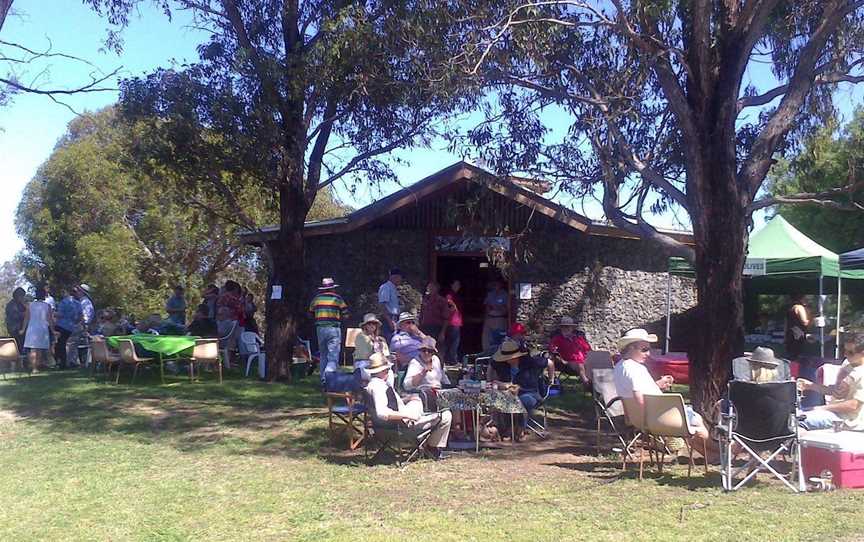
(720, 231)
(286, 270)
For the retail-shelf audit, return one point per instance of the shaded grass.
(250, 461)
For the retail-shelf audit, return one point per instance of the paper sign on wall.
(525, 290)
(277, 292)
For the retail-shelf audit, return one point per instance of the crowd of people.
(51, 332)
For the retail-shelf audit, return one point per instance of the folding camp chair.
(346, 415)
(536, 424)
(741, 370)
(760, 418)
(609, 407)
(394, 437)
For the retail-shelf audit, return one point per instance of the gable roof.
(460, 171)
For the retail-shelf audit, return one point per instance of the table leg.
(477, 429)
(161, 368)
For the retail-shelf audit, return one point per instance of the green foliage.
(831, 158)
(92, 214)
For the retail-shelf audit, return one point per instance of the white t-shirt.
(433, 379)
(852, 387)
(631, 376)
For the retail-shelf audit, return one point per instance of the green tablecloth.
(167, 345)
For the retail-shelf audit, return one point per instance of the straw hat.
(509, 350)
(636, 335)
(406, 317)
(378, 363)
(370, 318)
(327, 283)
(763, 356)
(429, 344)
(86, 289)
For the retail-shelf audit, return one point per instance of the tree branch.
(824, 198)
(821, 79)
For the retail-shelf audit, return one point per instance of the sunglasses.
(645, 349)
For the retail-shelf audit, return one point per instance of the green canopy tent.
(781, 259)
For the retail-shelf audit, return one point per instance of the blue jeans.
(819, 419)
(329, 347)
(339, 381)
(530, 400)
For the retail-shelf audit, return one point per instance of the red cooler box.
(841, 453)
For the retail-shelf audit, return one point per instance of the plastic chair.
(227, 343)
(205, 352)
(597, 359)
(10, 353)
(101, 354)
(608, 406)
(346, 415)
(250, 344)
(128, 356)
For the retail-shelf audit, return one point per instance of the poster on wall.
(525, 290)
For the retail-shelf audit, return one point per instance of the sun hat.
(636, 335)
(566, 321)
(406, 317)
(327, 283)
(517, 329)
(429, 344)
(509, 350)
(370, 318)
(378, 363)
(761, 355)
(86, 289)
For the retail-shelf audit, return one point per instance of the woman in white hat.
(368, 342)
(426, 371)
(390, 408)
(632, 379)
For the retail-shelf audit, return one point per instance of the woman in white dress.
(38, 339)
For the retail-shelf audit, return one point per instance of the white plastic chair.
(250, 346)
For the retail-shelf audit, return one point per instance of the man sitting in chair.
(522, 371)
(848, 393)
(389, 407)
(632, 379)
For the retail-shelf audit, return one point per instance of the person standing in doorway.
(16, 317)
(328, 309)
(37, 337)
(434, 313)
(175, 306)
(797, 321)
(495, 320)
(453, 336)
(388, 301)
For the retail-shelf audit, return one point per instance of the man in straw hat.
(570, 347)
(512, 364)
(390, 408)
(328, 309)
(632, 379)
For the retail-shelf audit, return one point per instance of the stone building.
(463, 223)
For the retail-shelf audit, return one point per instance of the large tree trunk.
(286, 270)
(720, 232)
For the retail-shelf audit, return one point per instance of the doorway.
(474, 272)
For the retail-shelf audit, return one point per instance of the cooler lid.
(843, 441)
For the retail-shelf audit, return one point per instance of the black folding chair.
(761, 419)
(401, 441)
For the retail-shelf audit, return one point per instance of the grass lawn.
(250, 461)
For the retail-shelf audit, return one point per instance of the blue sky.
(31, 125)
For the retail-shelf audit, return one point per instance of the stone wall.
(608, 285)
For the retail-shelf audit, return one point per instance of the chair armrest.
(613, 401)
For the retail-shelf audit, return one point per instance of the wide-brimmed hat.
(509, 350)
(327, 283)
(370, 318)
(406, 317)
(636, 335)
(763, 356)
(429, 344)
(566, 321)
(86, 289)
(378, 363)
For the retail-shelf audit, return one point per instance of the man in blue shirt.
(406, 342)
(70, 317)
(388, 301)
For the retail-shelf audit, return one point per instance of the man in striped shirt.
(328, 309)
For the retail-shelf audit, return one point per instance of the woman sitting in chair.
(368, 342)
(427, 371)
(388, 407)
(632, 379)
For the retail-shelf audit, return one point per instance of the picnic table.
(161, 345)
(473, 401)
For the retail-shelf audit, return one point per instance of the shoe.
(440, 455)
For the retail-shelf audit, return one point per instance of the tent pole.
(837, 325)
(821, 328)
(668, 310)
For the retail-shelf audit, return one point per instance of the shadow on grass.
(241, 416)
